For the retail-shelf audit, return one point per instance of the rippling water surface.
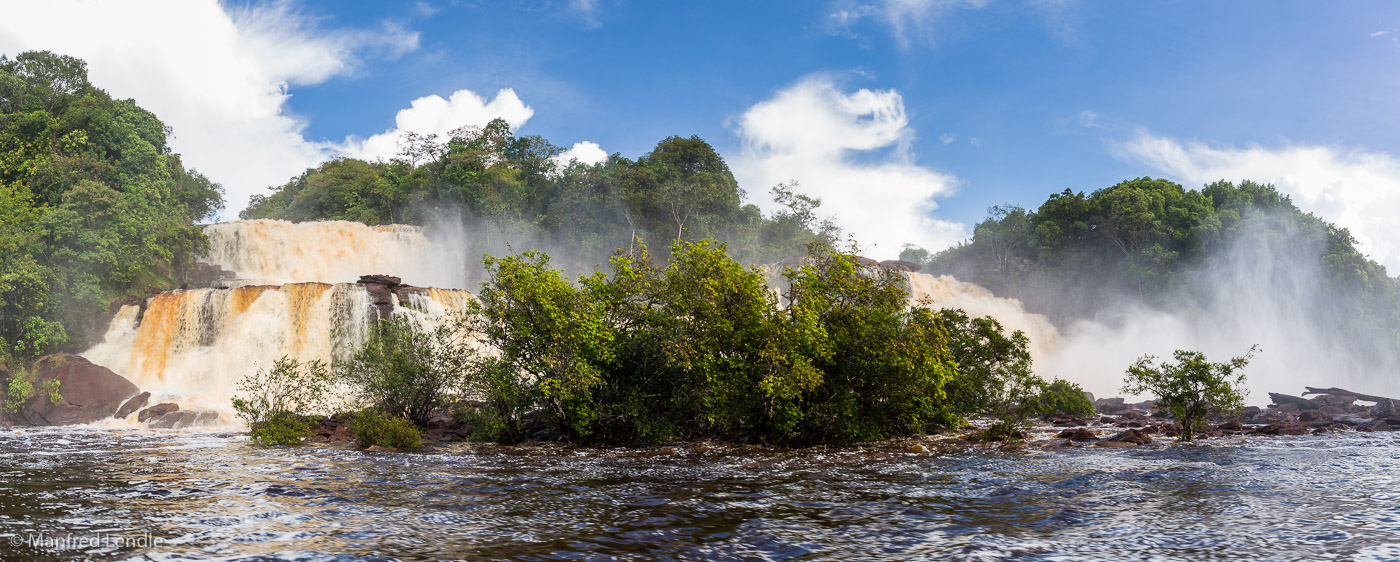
(98, 494)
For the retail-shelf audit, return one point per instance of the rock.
(917, 449)
(1350, 419)
(380, 279)
(1281, 428)
(1107, 443)
(1330, 411)
(1231, 426)
(1384, 409)
(378, 449)
(136, 403)
(1377, 425)
(90, 392)
(1298, 402)
(1109, 405)
(864, 261)
(157, 411)
(1013, 446)
(1079, 435)
(1131, 436)
(1251, 411)
(901, 265)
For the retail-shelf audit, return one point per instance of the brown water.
(96, 494)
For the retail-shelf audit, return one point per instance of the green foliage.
(20, 387)
(703, 347)
(373, 427)
(1061, 397)
(512, 188)
(274, 402)
(1192, 388)
(405, 370)
(93, 205)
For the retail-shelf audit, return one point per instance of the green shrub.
(1192, 388)
(373, 427)
(281, 428)
(274, 402)
(20, 387)
(405, 370)
(1061, 397)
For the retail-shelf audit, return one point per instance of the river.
(119, 494)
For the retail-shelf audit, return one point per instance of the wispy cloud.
(1354, 188)
(947, 138)
(218, 78)
(851, 149)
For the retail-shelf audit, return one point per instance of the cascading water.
(274, 252)
(946, 292)
(193, 346)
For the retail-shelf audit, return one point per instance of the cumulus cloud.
(587, 153)
(433, 115)
(1354, 188)
(852, 151)
(219, 79)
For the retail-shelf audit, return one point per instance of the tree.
(411, 371)
(1192, 388)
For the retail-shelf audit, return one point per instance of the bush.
(1192, 388)
(373, 427)
(1061, 397)
(405, 370)
(704, 347)
(274, 402)
(20, 387)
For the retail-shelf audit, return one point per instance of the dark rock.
(1231, 426)
(1131, 436)
(1251, 411)
(901, 265)
(387, 280)
(864, 261)
(136, 403)
(167, 421)
(1109, 405)
(1350, 419)
(1376, 425)
(1281, 428)
(157, 411)
(1385, 409)
(1292, 408)
(1079, 435)
(1299, 403)
(1107, 420)
(1330, 411)
(1312, 415)
(90, 392)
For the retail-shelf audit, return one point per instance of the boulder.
(1107, 443)
(380, 279)
(185, 418)
(1281, 428)
(136, 403)
(1376, 425)
(1131, 436)
(864, 261)
(1231, 426)
(1385, 409)
(90, 392)
(1079, 435)
(157, 411)
(901, 265)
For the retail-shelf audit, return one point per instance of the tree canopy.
(94, 206)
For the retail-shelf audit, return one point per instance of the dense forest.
(94, 207)
(1152, 242)
(514, 190)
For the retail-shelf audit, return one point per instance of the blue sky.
(969, 103)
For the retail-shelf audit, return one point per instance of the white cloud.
(587, 11)
(1089, 119)
(947, 138)
(218, 79)
(907, 19)
(830, 142)
(1353, 188)
(433, 115)
(587, 153)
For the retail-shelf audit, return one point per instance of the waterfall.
(293, 296)
(275, 252)
(946, 292)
